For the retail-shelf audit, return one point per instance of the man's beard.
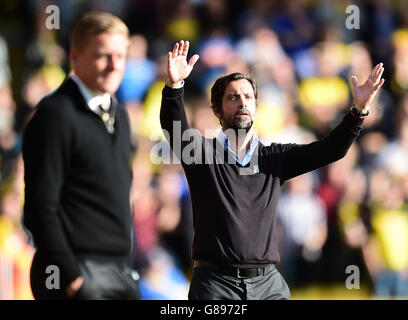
(238, 122)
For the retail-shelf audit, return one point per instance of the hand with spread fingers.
(364, 94)
(178, 68)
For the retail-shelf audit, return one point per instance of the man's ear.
(217, 114)
(73, 54)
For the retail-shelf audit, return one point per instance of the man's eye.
(233, 97)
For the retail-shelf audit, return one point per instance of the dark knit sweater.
(234, 214)
(77, 181)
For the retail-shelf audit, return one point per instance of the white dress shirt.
(93, 100)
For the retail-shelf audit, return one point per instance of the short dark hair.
(218, 89)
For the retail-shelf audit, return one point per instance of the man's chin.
(108, 88)
(109, 84)
(243, 126)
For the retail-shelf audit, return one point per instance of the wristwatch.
(357, 113)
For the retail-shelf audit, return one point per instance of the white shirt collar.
(222, 138)
(92, 100)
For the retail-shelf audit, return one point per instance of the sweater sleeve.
(46, 153)
(298, 159)
(176, 128)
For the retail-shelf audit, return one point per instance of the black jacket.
(77, 181)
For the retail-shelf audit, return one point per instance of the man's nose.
(242, 100)
(112, 63)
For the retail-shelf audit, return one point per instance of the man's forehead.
(117, 41)
(115, 37)
(238, 86)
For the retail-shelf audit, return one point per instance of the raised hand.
(177, 67)
(364, 94)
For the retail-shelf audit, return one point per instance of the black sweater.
(77, 181)
(234, 214)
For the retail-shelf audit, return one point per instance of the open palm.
(178, 68)
(364, 94)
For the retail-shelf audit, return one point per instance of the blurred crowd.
(351, 213)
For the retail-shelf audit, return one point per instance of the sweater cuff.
(170, 93)
(350, 117)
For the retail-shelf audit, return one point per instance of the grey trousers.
(210, 285)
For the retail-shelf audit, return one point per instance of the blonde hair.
(93, 23)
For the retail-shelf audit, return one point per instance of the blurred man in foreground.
(77, 156)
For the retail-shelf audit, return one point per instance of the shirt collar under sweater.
(222, 138)
(93, 101)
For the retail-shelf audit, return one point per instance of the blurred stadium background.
(351, 213)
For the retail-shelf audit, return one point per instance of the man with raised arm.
(235, 246)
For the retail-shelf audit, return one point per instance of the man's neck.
(240, 141)
(92, 99)
(90, 91)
